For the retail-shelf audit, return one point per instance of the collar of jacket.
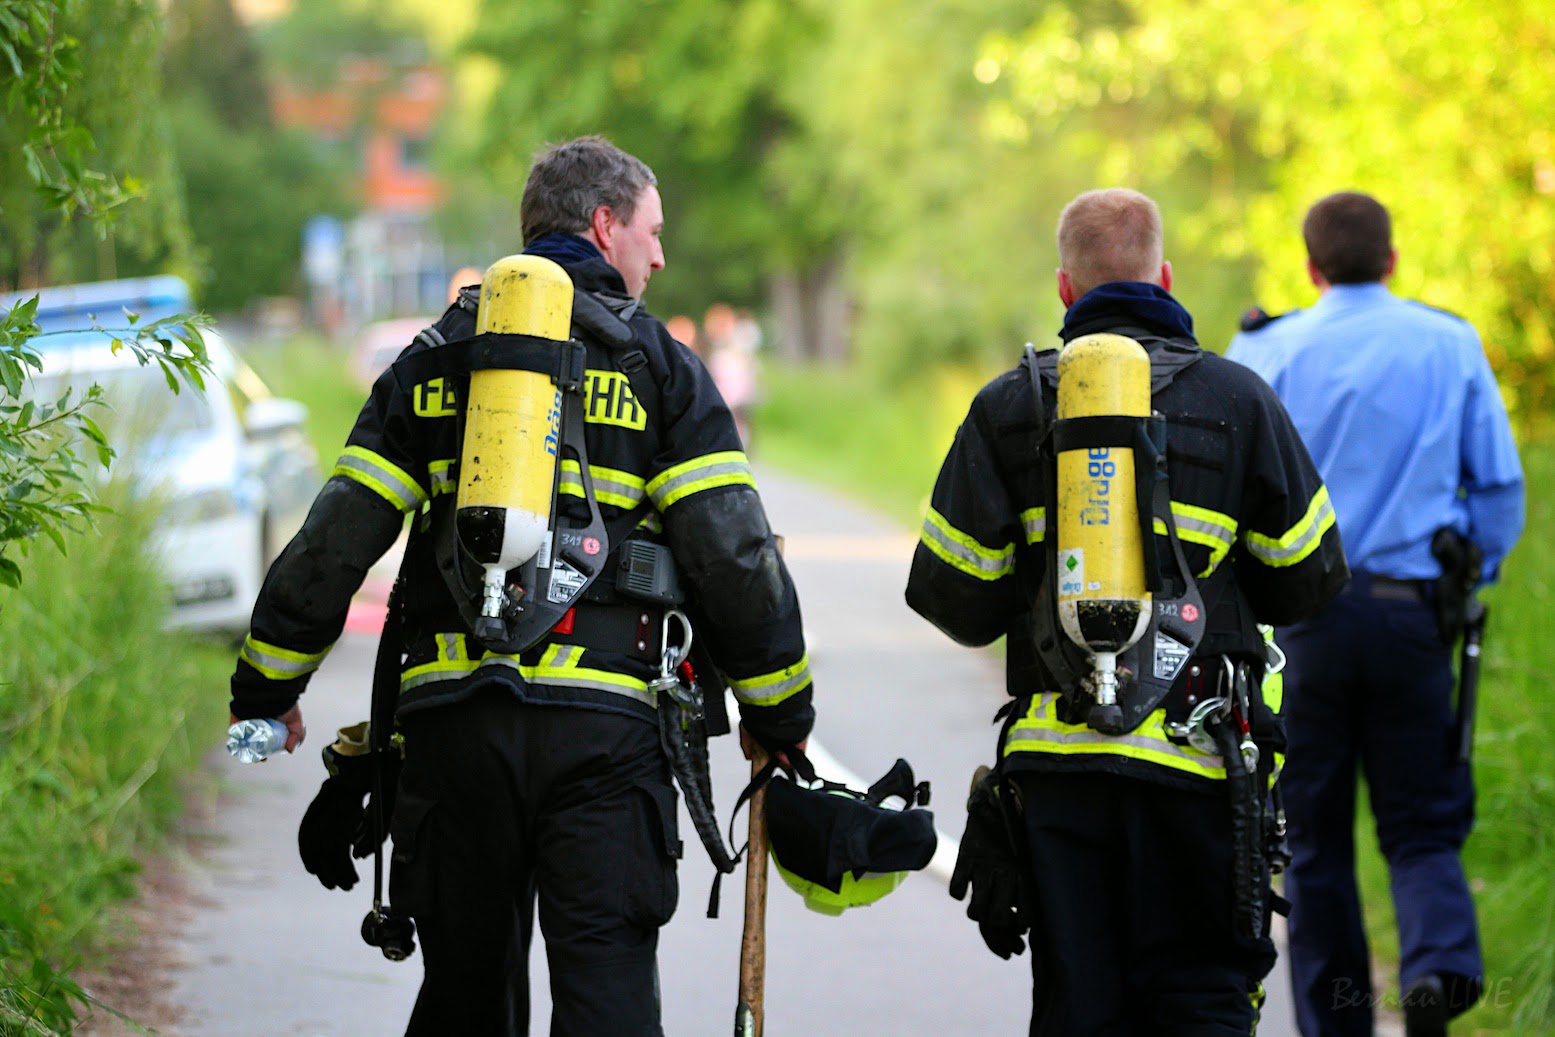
(1135, 303)
(585, 265)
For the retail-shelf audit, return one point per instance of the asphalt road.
(272, 952)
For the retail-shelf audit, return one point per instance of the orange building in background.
(385, 116)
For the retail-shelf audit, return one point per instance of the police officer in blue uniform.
(1401, 412)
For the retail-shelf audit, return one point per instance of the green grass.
(101, 712)
(884, 446)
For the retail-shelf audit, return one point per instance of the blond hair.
(1112, 234)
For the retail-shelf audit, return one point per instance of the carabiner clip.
(672, 656)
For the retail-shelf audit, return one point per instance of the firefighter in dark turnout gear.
(539, 775)
(1128, 843)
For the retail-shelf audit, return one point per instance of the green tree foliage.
(248, 187)
(703, 89)
(210, 52)
(82, 135)
(44, 445)
(1441, 110)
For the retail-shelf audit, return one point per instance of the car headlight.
(204, 506)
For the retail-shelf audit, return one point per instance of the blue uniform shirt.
(1399, 408)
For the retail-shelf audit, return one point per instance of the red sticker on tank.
(1190, 613)
(590, 546)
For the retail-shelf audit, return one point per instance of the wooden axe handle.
(750, 1015)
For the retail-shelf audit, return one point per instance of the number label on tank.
(1100, 469)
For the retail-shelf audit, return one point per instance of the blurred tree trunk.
(810, 313)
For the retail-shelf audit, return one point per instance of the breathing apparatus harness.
(645, 575)
(1217, 708)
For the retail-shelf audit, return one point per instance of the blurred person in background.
(732, 340)
(1401, 412)
(464, 277)
(538, 775)
(1132, 850)
(684, 330)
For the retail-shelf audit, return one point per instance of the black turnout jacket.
(674, 457)
(1251, 510)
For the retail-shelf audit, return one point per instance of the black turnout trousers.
(1132, 933)
(504, 803)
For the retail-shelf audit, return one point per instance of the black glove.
(324, 839)
(989, 862)
(338, 824)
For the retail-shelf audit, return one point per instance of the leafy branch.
(48, 448)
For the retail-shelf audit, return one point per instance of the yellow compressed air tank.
(1103, 603)
(512, 425)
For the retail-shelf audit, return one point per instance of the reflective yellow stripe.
(960, 551)
(611, 485)
(1300, 540)
(1202, 526)
(1040, 731)
(440, 476)
(771, 688)
(710, 471)
(382, 477)
(559, 666)
(1034, 522)
(279, 664)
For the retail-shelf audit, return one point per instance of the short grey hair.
(569, 181)
(1112, 234)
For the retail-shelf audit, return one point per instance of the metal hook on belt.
(1276, 656)
(672, 655)
(1193, 729)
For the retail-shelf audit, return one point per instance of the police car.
(232, 467)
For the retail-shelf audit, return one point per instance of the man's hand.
(749, 745)
(295, 730)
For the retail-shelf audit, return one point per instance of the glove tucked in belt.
(338, 824)
(990, 863)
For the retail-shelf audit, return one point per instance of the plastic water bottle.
(250, 741)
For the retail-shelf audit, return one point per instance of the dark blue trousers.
(1369, 688)
(1131, 931)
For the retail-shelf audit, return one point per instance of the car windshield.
(140, 400)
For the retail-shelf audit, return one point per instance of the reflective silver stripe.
(380, 476)
(557, 672)
(1219, 530)
(963, 552)
(607, 490)
(1034, 522)
(1154, 746)
(280, 663)
(1033, 728)
(705, 473)
(431, 336)
(546, 675)
(407, 683)
(440, 475)
(764, 691)
(1283, 552)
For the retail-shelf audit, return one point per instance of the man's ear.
(1387, 271)
(1065, 288)
(1316, 276)
(1166, 275)
(603, 224)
